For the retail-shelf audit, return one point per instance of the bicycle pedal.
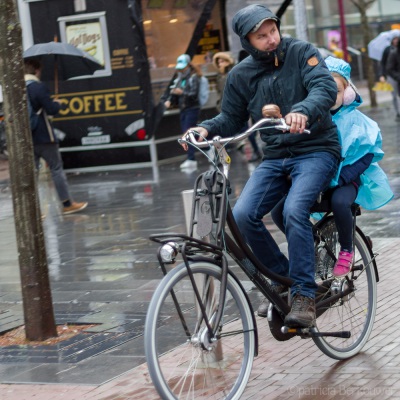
(359, 267)
(304, 333)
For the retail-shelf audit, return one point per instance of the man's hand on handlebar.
(297, 122)
(202, 133)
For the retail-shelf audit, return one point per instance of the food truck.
(114, 119)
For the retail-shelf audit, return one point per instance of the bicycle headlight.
(168, 252)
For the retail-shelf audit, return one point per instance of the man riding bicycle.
(292, 75)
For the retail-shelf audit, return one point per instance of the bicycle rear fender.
(373, 256)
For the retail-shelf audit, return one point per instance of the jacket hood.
(343, 69)
(339, 66)
(243, 23)
(225, 55)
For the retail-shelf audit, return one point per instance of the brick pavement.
(284, 370)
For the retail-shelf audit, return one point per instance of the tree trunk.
(362, 6)
(300, 18)
(36, 294)
(367, 60)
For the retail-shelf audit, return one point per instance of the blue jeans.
(311, 174)
(188, 119)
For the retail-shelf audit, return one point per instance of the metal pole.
(343, 30)
(154, 159)
(300, 18)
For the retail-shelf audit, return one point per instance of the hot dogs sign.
(87, 37)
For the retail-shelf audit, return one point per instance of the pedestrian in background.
(185, 94)
(224, 62)
(45, 142)
(387, 77)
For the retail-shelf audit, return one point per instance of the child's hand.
(271, 111)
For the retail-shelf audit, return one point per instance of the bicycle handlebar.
(273, 123)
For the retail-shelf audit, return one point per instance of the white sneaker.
(189, 164)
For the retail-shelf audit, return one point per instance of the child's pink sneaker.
(343, 263)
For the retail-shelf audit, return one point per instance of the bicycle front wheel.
(356, 311)
(183, 361)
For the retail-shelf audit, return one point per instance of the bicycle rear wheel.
(354, 312)
(183, 362)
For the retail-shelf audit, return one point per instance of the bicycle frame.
(201, 331)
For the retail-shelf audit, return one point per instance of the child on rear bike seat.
(359, 178)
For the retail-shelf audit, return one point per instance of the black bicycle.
(201, 331)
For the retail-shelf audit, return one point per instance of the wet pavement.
(103, 271)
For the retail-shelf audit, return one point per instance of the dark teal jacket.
(40, 98)
(300, 82)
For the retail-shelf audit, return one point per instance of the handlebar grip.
(284, 127)
(191, 136)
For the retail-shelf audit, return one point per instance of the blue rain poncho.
(360, 135)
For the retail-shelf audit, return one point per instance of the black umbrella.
(62, 61)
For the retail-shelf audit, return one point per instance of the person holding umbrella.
(45, 142)
(385, 77)
(379, 49)
(393, 71)
(62, 61)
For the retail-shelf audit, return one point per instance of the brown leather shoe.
(74, 207)
(302, 314)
